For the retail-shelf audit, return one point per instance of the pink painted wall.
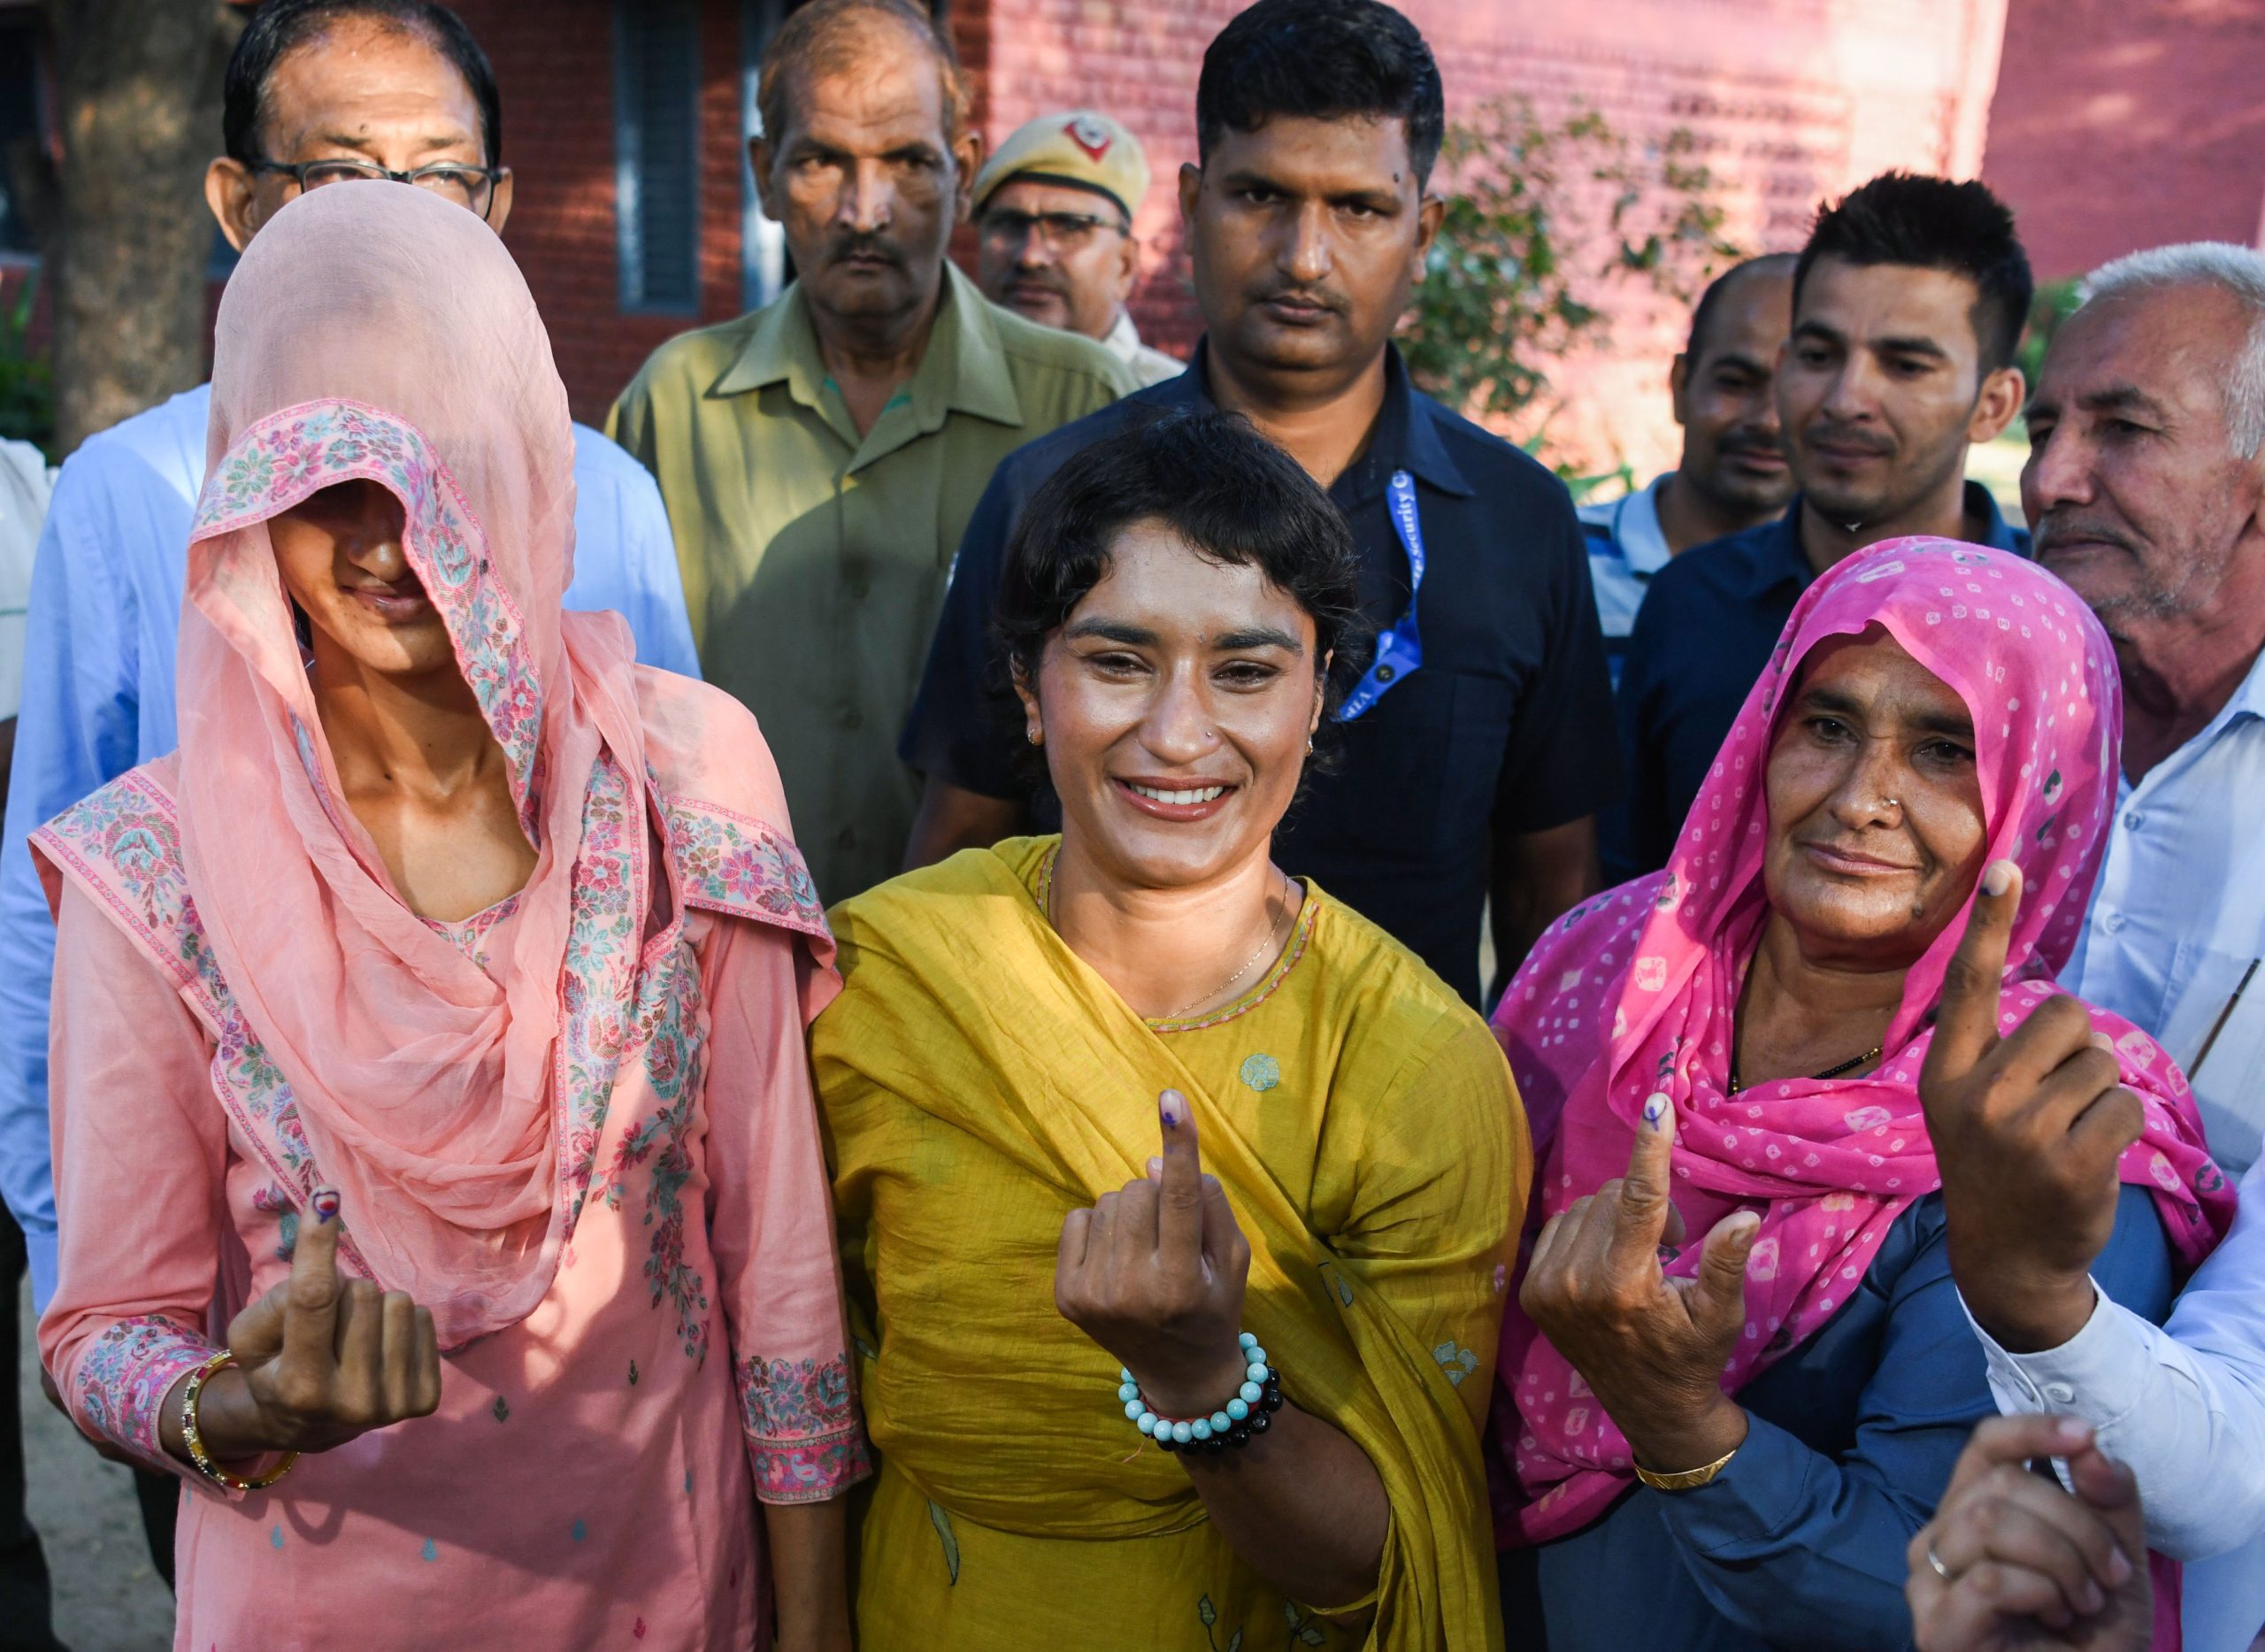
(2123, 124)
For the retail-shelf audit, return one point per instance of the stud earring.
(1036, 736)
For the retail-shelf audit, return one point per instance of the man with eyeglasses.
(319, 93)
(1054, 210)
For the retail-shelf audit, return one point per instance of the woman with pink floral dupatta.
(430, 1096)
(1738, 1375)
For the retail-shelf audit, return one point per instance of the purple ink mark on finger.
(324, 1202)
(1172, 1106)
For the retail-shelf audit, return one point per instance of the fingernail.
(1997, 877)
(2093, 1599)
(324, 1201)
(1655, 1108)
(1172, 1107)
(1156, 1168)
(2119, 1568)
(2077, 1435)
(2100, 1040)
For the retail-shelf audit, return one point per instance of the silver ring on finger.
(1940, 1570)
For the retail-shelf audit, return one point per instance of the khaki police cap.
(1080, 148)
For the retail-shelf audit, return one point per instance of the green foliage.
(26, 383)
(2055, 302)
(1543, 218)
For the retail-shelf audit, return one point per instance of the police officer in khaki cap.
(1054, 210)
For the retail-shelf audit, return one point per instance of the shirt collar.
(1407, 434)
(1775, 556)
(963, 370)
(1636, 529)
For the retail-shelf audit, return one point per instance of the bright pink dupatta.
(1634, 993)
(378, 332)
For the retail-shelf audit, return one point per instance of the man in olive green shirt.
(821, 456)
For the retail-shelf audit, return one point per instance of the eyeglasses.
(1065, 232)
(472, 187)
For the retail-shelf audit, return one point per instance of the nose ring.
(1891, 802)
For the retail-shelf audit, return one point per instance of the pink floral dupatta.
(378, 332)
(1634, 993)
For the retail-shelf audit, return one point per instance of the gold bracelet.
(205, 1465)
(1688, 1478)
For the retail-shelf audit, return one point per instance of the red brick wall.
(554, 62)
(2123, 124)
(1791, 99)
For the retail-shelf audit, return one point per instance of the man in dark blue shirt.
(1908, 301)
(1475, 766)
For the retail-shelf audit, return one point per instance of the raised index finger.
(1641, 1220)
(1179, 1196)
(1966, 1025)
(311, 1295)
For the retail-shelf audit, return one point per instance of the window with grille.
(657, 152)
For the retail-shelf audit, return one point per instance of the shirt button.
(2058, 1393)
(2113, 923)
(852, 717)
(2135, 819)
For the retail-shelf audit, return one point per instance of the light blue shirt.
(2178, 919)
(98, 693)
(1626, 547)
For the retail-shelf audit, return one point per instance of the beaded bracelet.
(195, 1440)
(1249, 1412)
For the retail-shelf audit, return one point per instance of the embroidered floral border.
(804, 1437)
(289, 455)
(736, 864)
(124, 1375)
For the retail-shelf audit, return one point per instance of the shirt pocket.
(1417, 778)
(2216, 1030)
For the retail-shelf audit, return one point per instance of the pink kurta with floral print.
(590, 1477)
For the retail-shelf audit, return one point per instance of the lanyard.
(1400, 648)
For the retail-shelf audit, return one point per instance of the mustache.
(1319, 297)
(1819, 430)
(856, 245)
(1749, 441)
(2059, 526)
(1049, 280)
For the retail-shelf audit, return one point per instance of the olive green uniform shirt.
(814, 563)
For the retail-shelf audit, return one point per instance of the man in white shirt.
(1733, 474)
(2145, 487)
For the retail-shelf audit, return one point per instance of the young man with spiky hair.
(1909, 301)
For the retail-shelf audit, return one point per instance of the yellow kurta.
(979, 1082)
(815, 559)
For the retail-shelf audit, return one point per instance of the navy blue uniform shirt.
(1701, 637)
(1506, 727)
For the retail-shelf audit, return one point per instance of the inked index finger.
(1966, 1023)
(1640, 1219)
(1179, 1195)
(311, 1294)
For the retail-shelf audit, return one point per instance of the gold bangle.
(1688, 1478)
(205, 1465)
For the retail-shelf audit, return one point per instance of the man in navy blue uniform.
(1479, 745)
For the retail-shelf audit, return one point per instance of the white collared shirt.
(2177, 917)
(1626, 549)
(1149, 366)
(25, 484)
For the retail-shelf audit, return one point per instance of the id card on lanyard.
(1400, 648)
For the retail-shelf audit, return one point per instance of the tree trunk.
(138, 90)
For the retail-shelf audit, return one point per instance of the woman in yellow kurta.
(1130, 1125)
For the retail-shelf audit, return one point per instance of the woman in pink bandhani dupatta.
(1931, 707)
(428, 1029)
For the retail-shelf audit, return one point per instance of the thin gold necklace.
(1268, 944)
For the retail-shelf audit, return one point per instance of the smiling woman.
(1299, 1310)
(1757, 1423)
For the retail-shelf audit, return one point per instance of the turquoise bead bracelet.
(1250, 1411)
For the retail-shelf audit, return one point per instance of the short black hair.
(281, 26)
(1326, 59)
(1227, 491)
(1934, 224)
(1702, 313)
